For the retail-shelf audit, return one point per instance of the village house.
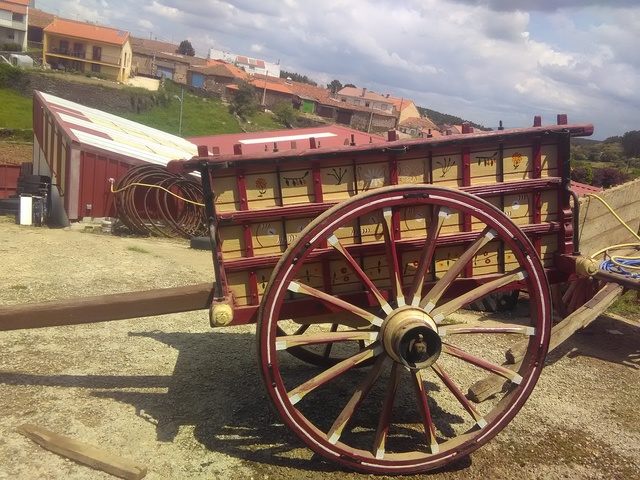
(87, 48)
(38, 21)
(360, 97)
(13, 22)
(157, 59)
(250, 65)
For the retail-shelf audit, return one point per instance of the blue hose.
(609, 266)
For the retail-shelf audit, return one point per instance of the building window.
(64, 47)
(10, 36)
(95, 68)
(18, 17)
(367, 104)
(97, 54)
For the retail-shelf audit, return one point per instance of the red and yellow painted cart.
(355, 263)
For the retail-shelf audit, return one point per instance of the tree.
(186, 48)
(609, 177)
(350, 85)
(582, 174)
(296, 77)
(244, 102)
(631, 143)
(285, 114)
(335, 86)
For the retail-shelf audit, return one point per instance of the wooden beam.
(86, 454)
(103, 308)
(583, 316)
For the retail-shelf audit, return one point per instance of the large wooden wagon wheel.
(406, 412)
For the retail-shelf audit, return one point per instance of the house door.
(165, 72)
(97, 54)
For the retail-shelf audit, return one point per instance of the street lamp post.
(181, 100)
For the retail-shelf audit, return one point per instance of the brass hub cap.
(410, 337)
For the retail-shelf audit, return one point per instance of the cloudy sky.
(483, 60)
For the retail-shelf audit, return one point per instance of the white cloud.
(484, 60)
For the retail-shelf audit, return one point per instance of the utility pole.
(181, 100)
(264, 92)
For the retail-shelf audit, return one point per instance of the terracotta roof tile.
(39, 18)
(89, 31)
(14, 7)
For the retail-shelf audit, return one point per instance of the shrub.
(10, 47)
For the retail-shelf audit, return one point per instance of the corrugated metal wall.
(8, 179)
(96, 199)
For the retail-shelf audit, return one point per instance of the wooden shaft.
(103, 308)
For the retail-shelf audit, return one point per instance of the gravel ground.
(187, 402)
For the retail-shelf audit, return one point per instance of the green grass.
(135, 248)
(627, 306)
(16, 111)
(200, 117)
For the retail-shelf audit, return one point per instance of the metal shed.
(81, 148)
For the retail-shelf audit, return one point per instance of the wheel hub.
(410, 337)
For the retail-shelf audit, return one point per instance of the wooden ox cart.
(355, 263)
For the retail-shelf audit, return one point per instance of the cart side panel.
(262, 204)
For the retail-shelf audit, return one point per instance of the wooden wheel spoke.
(288, 341)
(479, 362)
(442, 311)
(495, 328)
(356, 399)
(440, 215)
(395, 274)
(357, 269)
(385, 416)
(335, 302)
(430, 300)
(453, 388)
(425, 413)
(338, 369)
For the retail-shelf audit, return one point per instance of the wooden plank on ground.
(84, 453)
(583, 316)
(102, 308)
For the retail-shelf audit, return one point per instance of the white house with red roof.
(360, 97)
(14, 22)
(87, 48)
(248, 64)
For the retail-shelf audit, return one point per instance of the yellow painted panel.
(226, 194)
(452, 223)
(412, 171)
(548, 247)
(414, 221)
(239, 286)
(232, 241)
(338, 183)
(518, 164)
(510, 261)
(519, 208)
(311, 275)
(445, 257)
(549, 161)
(484, 167)
(346, 233)
(263, 276)
(294, 227)
(549, 206)
(297, 186)
(410, 261)
(268, 238)
(447, 170)
(377, 269)
(342, 278)
(261, 190)
(477, 225)
(372, 175)
(371, 229)
(487, 260)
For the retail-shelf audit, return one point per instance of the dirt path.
(187, 402)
